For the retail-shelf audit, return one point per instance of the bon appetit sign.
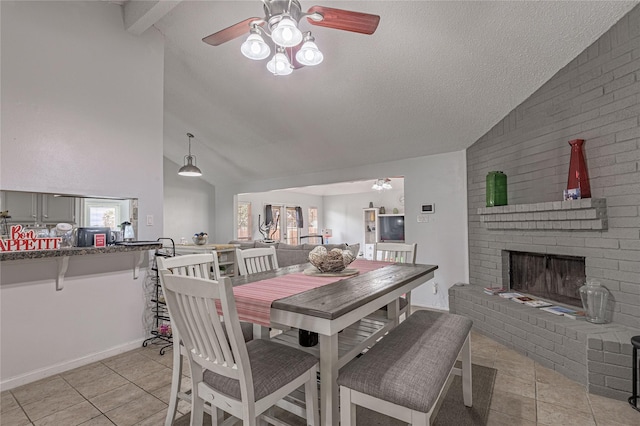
(23, 240)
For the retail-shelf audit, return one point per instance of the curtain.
(299, 220)
(268, 215)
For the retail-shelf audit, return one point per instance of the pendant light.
(189, 169)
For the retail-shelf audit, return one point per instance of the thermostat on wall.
(428, 208)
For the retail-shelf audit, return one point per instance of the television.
(391, 228)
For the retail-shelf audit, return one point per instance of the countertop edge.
(75, 251)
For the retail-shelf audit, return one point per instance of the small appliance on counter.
(85, 237)
(127, 232)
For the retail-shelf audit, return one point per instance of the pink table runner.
(253, 301)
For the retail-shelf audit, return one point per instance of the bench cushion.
(410, 365)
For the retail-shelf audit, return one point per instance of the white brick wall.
(596, 97)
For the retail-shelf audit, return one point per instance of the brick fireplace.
(548, 276)
(595, 98)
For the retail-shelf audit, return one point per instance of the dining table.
(345, 311)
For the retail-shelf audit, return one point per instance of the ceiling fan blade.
(229, 33)
(345, 20)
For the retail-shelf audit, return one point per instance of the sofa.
(288, 254)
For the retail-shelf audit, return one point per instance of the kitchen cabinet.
(27, 208)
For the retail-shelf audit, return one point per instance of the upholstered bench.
(407, 373)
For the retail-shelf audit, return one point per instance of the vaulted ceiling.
(433, 78)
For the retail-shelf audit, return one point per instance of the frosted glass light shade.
(309, 54)
(286, 33)
(279, 64)
(255, 48)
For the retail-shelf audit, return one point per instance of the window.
(313, 220)
(276, 226)
(104, 212)
(244, 221)
(292, 226)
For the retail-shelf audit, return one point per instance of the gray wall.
(595, 98)
(189, 205)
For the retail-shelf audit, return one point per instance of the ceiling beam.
(141, 14)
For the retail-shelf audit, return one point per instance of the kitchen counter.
(206, 247)
(61, 256)
(78, 251)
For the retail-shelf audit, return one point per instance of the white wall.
(287, 198)
(438, 179)
(82, 105)
(343, 213)
(189, 205)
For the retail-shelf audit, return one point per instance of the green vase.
(496, 189)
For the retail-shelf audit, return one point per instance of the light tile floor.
(133, 389)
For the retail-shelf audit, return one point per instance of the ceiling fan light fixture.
(382, 184)
(255, 47)
(279, 64)
(286, 33)
(189, 169)
(309, 54)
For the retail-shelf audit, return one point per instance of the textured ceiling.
(433, 78)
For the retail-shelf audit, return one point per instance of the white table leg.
(260, 332)
(328, 380)
(393, 312)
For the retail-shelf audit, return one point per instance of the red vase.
(578, 177)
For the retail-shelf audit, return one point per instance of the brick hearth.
(596, 355)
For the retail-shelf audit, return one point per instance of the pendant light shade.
(286, 33)
(279, 64)
(255, 48)
(309, 54)
(189, 168)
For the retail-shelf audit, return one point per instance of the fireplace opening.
(548, 276)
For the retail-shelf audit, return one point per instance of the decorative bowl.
(200, 239)
(335, 260)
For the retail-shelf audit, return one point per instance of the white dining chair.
(254, 260)
(200, 266)
(397, 253)
(242, 379)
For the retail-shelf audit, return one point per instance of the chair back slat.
(195, 305)
(252, 261)
(203, 265)
(395, 252)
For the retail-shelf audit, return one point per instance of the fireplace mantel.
(587, 214)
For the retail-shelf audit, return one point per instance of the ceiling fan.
(294, 49)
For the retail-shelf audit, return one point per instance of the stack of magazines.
(567, 312)
(536, 303)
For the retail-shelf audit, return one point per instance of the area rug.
(452, 411)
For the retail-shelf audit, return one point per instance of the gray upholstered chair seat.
(428, 342)
(247, 331)
(272, 366)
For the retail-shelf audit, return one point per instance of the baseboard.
(42, 373)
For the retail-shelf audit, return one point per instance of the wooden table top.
(333, 300)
